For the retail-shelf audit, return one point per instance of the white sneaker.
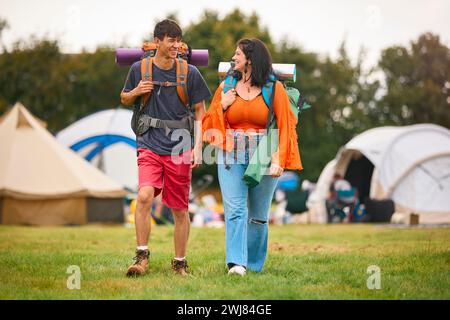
(240, 270)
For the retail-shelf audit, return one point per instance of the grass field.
(304, 262)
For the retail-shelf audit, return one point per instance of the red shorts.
(169, 174)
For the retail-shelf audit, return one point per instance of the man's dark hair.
(256, 51)
(168, 28)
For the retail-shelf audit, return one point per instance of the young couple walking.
(167, 152)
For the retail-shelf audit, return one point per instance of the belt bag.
(141, 123)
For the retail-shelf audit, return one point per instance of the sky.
(319, 26)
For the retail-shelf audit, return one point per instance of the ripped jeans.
(246, 211)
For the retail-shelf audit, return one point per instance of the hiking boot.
(140, 265)
(180, 267)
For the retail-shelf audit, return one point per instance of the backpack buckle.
(155, 123)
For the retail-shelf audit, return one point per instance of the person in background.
(341, 195)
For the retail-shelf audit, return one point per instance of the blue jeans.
(246, 213)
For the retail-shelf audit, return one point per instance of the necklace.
(246, 87)
(245, 81)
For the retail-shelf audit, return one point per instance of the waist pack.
(141, 123)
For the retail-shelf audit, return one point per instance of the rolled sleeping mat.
(199, 57)
(283, 71)
(127, 56)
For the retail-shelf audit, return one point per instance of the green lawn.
(304, 262)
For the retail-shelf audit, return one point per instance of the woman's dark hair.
(256, 51)
(168, 28)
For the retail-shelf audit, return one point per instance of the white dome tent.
(409, 165)
(106, 140)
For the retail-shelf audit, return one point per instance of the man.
(162, 167)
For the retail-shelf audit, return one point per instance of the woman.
(235, 123)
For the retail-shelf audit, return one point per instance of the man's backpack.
(141, 122)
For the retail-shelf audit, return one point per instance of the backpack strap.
(230, 79)
(181, 84)
(268, 93)
(147, 75)
(230, 83)
(182, 69)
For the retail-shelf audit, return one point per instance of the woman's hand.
(228, 98)
(275, 170)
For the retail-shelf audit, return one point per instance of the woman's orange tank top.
(248, 114)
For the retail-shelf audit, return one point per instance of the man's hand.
(128, 98)
(196, 156)
(197, 151)
(275, 170)
(143, 88)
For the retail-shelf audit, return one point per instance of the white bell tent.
(44, 183)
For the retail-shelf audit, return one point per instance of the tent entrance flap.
(105, 210)
(359, 174)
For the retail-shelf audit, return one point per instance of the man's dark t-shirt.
(165, 104)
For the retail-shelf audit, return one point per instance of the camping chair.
(341, 207)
